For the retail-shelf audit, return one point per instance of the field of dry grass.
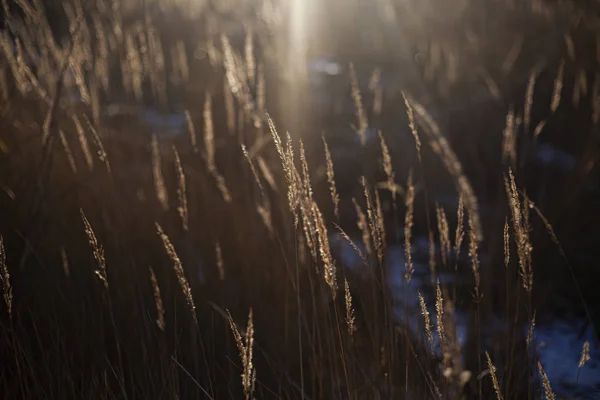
(210, 200)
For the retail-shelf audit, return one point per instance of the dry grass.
(223, 68)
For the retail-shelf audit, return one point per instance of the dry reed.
(408, 225)
(529, 98)
(97, 249)
(220, 263)
(158, 303)
(375, 226)
(494, 377)
(546, 383)
(506, 243)
(426, 319)
(509, 140)
(179, 272)
(335, 198)
(68, 152)
(350, 317)
(585, 354)
(191, 131)
(363, 226)
(412, 125)
(159, 182)
(474, 254)
(439, 309)
(182, 208)
(329, 269)
(387, 166)
(83, 142)
(531, 330)
(444, 232)
(558, 86)
(209, 134)
(521, 231)
(5, 276)
(246, 347)
(361, 115)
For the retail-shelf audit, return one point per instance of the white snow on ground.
(558, 344)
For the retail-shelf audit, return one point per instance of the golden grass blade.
(375, 228)
(529, 98)
(68, 152)
(444, 232)
(160, 310)
(506, 243)
(179, 272)
(220, 263)
(253, 169)
(439, 309)
(412, 125)
(361, 115)
(546, 383)
(221, 185)
(182, 208)
(521, 230)
(83, 142)
(191, 131)
(100, 150)
(329, 269)
(97, 250)
(494, 377)
(474, 254)
(266, 173)
(509, 139)
(531, 330)
(229, 107)
(354, 246)
(5, 277)
(159, 182)
(209, 134)
(65, 261)
(350, 316)
(558, 86)
(426, 319)
(335, 198)
(408, 225)
(249, 55)
(361, 223)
